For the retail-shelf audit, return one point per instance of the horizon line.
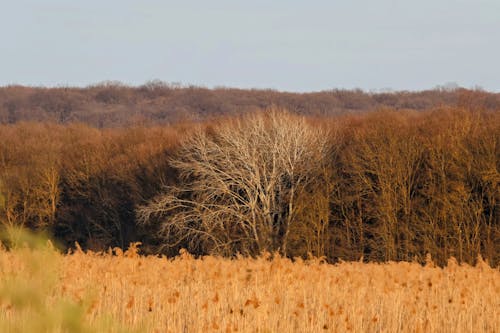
(447, 87)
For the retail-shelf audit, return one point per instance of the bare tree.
(242, 181)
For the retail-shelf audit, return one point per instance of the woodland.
(343, 175)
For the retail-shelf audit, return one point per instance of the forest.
(344, 175)
(113, 104)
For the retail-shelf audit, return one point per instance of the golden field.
(42, 290)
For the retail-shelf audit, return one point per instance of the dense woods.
(112, 104)
(340, 174)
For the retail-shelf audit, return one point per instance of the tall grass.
(42, 290)
(32, 292)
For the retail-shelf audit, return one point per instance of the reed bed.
(116, 291)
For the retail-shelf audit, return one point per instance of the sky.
(287, 45)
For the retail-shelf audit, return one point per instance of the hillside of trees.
(233, 171)
(113, 104)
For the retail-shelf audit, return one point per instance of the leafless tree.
(242, 184)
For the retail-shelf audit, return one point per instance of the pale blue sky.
(286, 45)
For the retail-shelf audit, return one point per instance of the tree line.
(112, 104)
(384, 185)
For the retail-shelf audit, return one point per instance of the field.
(43, 290)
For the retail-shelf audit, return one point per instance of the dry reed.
(184, 294)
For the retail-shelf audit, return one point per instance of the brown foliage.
(112, 104)
(81, 183)
(394, 186)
